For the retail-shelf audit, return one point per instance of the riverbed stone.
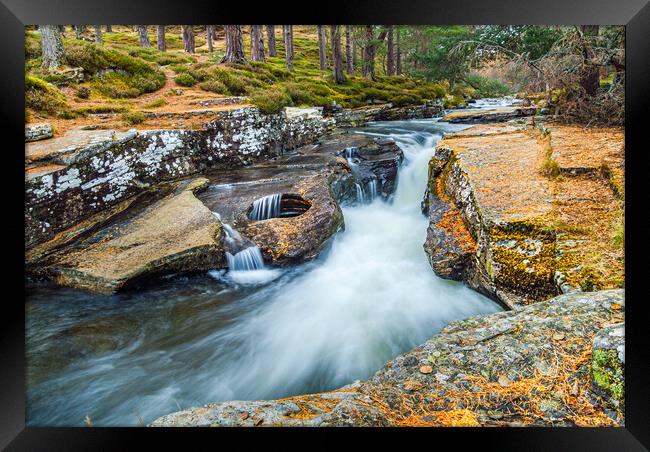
(502, 369)
(501, 114)
(175, 233)
(290, 240)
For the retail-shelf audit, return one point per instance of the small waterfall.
(361, 195)
(372, 187)
(351, 153)
(248, 259)
(241, 253)
(266, 207)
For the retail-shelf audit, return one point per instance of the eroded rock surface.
(512, 368)
(93, 174)
(501, 114)
(175, 233)
(524, 236)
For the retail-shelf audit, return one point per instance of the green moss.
(42, 97)
(98, 109)
(160, 102)
(114, 73)
(608, 373)
(523, 255)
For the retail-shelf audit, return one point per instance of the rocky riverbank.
(546, 364)
(519, 235)
(169, 227)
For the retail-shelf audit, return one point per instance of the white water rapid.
(314, 328)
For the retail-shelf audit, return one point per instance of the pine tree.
(188, 38)
(144, 36)
(52, 46)
(337, 60)
(349, 66)
(234, 45)
(322, 47)
(257, 43)
(161, 38)
(288, 45)
(270, 36)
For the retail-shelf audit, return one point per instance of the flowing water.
(129, 358)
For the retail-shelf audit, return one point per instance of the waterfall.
(266, 207)
(351, 153)
(248, 259)
(249, 256)
(372, 186)
(361, 195)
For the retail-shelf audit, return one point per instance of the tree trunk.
(209, 33)
(589, 78)
(188, 38)
(98, 34)
(77, 31)
(322, 47)
(337, 59)
(257, 43)
(270, 36)
(390, 52)
(234, 45)
(144, 36)
(288, 45)
(109, 29)
(355, 61)
(398, 54)
(368, 55)
(161, 38)
(52, 46)
(369, 50)
(348, 51)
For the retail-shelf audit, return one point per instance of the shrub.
(550, 167)
(488, 87)
(82, 92)
(115, 85)
(97, 109)
(134, 117)
(156, 103)
(214, 86)
(271, 100)
(131, 76)
(185, 80)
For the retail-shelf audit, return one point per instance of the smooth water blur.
(130, 358)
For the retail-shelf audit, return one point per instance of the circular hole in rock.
(278, 205)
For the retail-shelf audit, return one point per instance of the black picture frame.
(635, 14)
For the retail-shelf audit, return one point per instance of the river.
(129, 358)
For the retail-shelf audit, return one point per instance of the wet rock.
(492, 115)
(290, 240)
(475, 176)
(512, 343)
(386, 112)
(174, 234)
